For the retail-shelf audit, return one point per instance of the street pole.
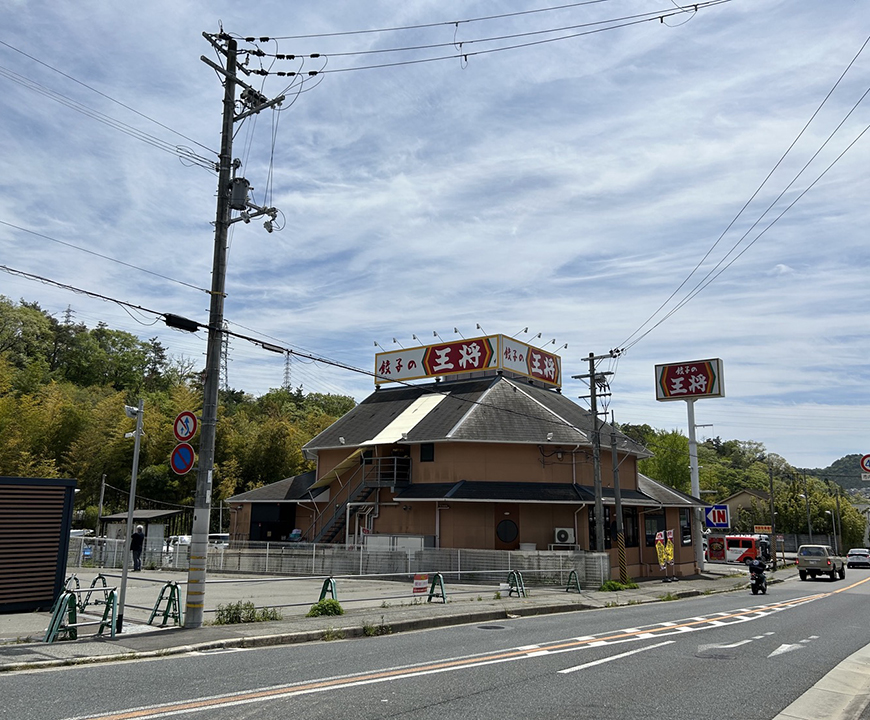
(772, 512)
(100, 511)
(131, 509)
(194, 603)
(697, 533)
(617, 496)
(227, 200)
(807, 498)
(594, 378)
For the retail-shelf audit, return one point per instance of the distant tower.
(286, 384)
(68, 315)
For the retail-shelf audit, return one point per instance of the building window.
(629, 526)
(609, 527)
(427, 452)
(507, 531)
(686, 526)
(366, 456)
(653, 523)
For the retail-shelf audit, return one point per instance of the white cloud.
(569, 187)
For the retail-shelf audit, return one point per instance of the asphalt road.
(721, 656)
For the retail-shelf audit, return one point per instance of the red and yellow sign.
(493, 352)
(690, 380)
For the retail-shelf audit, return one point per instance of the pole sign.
(717, 516)
(865, 463)
(690, 380)
(185, 426)
(182, 458)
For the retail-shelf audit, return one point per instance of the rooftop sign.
(492, 352)
(690, 380)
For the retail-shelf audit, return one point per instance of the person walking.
(136, 545)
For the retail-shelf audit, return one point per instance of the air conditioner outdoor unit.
(564, 536)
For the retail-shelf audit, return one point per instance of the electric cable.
(104, 257)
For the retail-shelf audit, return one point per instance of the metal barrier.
(66, 605)
(173, 604)
(573, 582)
(516, 584)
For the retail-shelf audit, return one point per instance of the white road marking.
(614, 657)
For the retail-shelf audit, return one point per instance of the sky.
(678, 184)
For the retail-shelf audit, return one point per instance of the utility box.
(35, 522)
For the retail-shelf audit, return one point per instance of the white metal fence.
(459, 565)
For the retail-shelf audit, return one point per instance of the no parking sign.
(182, 458)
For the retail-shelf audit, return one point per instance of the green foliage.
(333, 634)
(244, 612)
(63, 388)
(327, 606)
(371, 630)
(670, 464)
(615, 586)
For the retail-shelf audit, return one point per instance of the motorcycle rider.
(757, 566)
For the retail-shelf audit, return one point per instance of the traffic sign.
(185, 426)
(865, 463)
(717, 516)
(182, 458)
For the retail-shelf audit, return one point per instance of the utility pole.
(617, 496)
(772, 511)
(231, 195)
(596, 381)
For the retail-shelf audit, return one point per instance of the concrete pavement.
(371, 607)
(377, 607)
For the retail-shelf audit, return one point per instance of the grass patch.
(668, 597)
(333, 634)
(615, 586)
(244, 612)
(371, 630)
(327, 606)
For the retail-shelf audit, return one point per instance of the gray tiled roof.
(492, 409)
(665, 495)
(522, 492)
(286, 490)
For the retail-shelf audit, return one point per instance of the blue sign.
(717, 516)
(182, 458)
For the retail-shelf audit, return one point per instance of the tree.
(670, 463)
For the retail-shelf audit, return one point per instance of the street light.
(833, 530)
(809, 524)
(131, 412)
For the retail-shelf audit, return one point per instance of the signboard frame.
(718, 523)
(705, 380)
(469, 355)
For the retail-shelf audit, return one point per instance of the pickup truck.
(813, 560)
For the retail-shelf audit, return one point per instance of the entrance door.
(507, 526)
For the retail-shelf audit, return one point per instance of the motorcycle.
(757, 581)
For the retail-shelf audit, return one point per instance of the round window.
(507, 531)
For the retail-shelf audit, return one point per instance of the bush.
(327, 606)
(244, 612)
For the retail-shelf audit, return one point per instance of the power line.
(108, 97)
(626, 343)
(185, 154)
(462, 54)
(100, 255)
(437, 24)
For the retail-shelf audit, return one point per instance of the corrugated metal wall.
(35, 520)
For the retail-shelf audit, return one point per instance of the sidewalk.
(371, 607)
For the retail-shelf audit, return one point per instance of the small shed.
(35, 521)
